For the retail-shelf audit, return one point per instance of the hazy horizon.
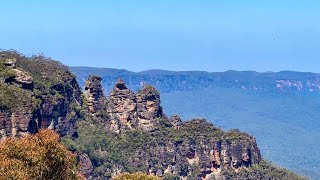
(175, 35)
(195, 70)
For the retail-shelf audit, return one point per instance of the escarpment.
(36, 92)
(125, 131)
(165, 146)
(197, 156)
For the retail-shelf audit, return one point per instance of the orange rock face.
(135, 111)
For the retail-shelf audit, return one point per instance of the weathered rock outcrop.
(23, 79)
(94, 94)
(86, 164)
(27, 105)
(198, 150)
(176, 121)
(135, 111)
(206, 155)
(126, 110)
(16, 123)
(122, 105)
(7, 62)
(148, 107)
(60, 111)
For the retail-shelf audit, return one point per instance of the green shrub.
(136, 176)
(263, 170)
(13, 97)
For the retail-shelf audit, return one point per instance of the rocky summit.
(124, 131)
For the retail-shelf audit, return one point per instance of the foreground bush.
(264, 170)
(38, 156)
(136, 176)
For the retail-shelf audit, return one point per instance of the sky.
(209, 35)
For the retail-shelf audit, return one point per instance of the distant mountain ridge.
(169, 81)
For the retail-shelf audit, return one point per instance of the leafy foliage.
(136, 176)
(5, 72)
(44, 70)
(12, 97)
(264, 170)
(38, 156)
(51, 79)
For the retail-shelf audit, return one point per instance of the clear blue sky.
(211, 35)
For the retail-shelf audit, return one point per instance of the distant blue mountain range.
(280, 109)
(169, 81)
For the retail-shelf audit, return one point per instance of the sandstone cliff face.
(28, 105)
(126, 109)
(148, 107)
(58, 112)
(94, 94)
(122, 105)
(204, 156)
(16, 123)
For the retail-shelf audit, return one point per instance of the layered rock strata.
(122, 105)
(202, 156)
(126, 109)
(28, 105)
(94, 94)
